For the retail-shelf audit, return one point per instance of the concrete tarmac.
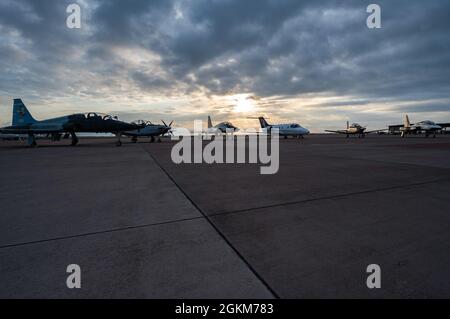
(141, 226)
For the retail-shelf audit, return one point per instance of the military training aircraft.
(354, 129)
(149, 130)
(295, 130)
(24, 123)
(429, 127)
(224, 127)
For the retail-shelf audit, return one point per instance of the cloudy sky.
(307, 61)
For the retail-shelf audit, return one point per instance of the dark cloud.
(262, 47)
(150, 82)
(428, 107)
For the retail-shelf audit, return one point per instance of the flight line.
(24, 124)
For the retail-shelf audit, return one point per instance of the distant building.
(394, 129)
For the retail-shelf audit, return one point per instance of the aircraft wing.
(376, 131)
(18, 130)
(337, 132)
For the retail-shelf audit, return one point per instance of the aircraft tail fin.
(263, 122)
(348, 125)
(209, 122)
(406, 122)
(21, 115)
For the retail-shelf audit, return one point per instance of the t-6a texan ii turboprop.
(295, 130)
(24, 123)
(428, 127)
(354, 129)
(149, 130)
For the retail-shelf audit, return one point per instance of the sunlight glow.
(243, 103)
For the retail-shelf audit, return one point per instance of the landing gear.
(32, 140)
(74, 139)
(152, 139)
(285, 137)
(348, 136)
(119, 142)
(159, 140)
(134, 139)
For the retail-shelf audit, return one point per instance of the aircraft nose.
(306, 131)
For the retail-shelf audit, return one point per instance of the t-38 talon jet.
(429, 127)
(354, 129)
(24, 123)
(149, 130)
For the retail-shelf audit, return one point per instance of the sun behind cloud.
(243, 103)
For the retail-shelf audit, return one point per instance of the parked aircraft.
(293, 129)
(24, 123)
(354, 129)
(224, 127)
(149, 130)
(429, 127)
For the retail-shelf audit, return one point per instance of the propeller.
(168, 126)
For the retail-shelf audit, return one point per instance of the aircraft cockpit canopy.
(228, 125)
(427, 123)
(100, 116)
(142, 122)
(295, 126)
